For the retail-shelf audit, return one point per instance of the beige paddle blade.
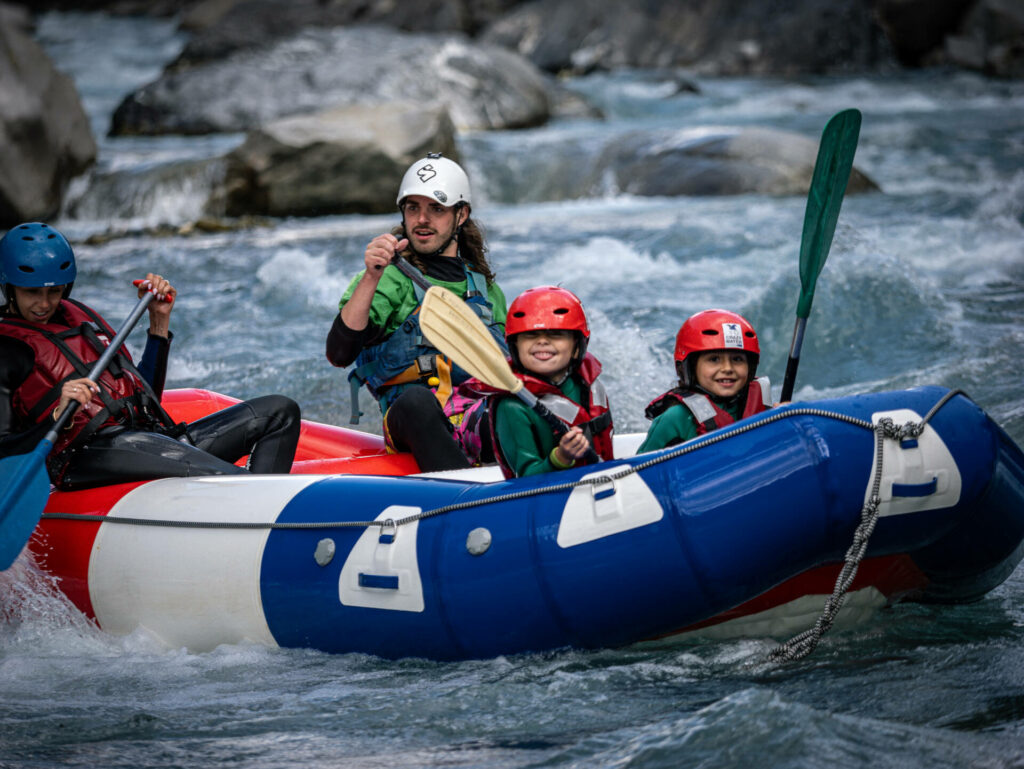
(454, 329)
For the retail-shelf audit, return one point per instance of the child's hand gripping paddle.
(25, 485)
(454, 329)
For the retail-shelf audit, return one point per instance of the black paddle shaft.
(101, 365)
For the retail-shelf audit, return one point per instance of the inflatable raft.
(741, 532)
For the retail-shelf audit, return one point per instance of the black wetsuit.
(266, 428)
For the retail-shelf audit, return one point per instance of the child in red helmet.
(716, 359)
(547, 333)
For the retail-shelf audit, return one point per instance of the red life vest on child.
(475, 432)
(68, 352)
(706, 413)
(594, 416)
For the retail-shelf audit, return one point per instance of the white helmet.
(437, 178)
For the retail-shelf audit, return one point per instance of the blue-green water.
(924, 285)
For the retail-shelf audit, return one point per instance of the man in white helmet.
(377, 327)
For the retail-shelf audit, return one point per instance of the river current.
(924, 284)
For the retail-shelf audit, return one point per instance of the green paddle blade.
(828, 186)
(23, 495)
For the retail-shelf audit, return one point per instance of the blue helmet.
(34, 255)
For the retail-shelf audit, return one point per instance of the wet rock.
(711, 162)
(344, 160)
(726, 37)
(990, 39)
(45, 138)
(221, 27)
(485, 87)
(146, 196)
(201, 226)
(918, 27)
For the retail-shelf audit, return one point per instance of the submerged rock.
(711, 161)
(484, 87)
(148, 196)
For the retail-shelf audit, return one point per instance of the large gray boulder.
(484, 87)
(45, 138)
(343, 160)
(220, 27)
(726, 37)
(706, 161)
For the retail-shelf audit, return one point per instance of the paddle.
(454, 329)
(24, 482)
(828, 185)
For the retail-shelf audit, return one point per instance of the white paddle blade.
(454, 329)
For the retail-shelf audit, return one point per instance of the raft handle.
(388, 532)
(603, 488)
(381, 581)
(915, 489)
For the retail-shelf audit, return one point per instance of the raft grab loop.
(381, 571)
(607, 502)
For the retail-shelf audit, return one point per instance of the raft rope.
(390, 523)
(804, 643)
(796, 648)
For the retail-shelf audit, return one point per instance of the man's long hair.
(472, 249)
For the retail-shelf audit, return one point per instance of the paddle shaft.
(24, 483)
(831, 174)
(559, 427)
(101, 365)
(794, 359)
(411, 272)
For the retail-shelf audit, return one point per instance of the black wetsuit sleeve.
(344, 344)
(16, 362)
(153, 365)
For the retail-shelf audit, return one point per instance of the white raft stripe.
(788, 619)
(190, 587)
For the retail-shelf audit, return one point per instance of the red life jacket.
(706, 413)
(594, 417)
(68, 352)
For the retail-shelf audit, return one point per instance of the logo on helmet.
(441, 197)
(732, 335)
(426, 173)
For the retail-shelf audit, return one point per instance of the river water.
(924, 285)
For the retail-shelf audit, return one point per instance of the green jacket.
(526, 439)
(676, 424)
(395, 298)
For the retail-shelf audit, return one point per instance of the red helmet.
(546, 307)
(549, 308)
(715, 330)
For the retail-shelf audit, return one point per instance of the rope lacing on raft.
(796, 648)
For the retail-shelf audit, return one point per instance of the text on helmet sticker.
(732, 335)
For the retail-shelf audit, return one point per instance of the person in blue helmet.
(376, 330)
(49, 343)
